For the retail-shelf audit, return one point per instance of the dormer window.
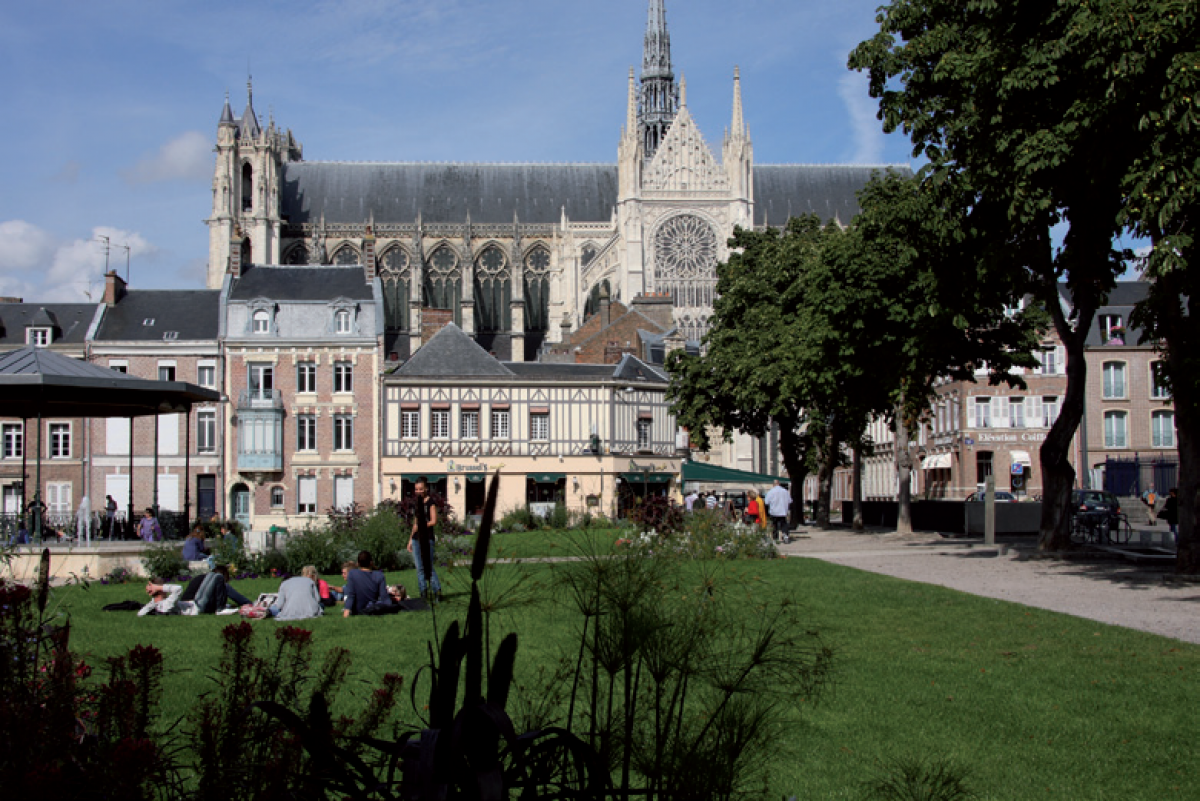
(38, 337)
(261, 322)
(148, 322)
(342, 319)
(342, 322)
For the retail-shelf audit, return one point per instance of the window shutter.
(308, 490)
(1033, 413)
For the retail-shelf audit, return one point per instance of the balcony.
(260, 431)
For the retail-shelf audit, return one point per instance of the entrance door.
(239, 501)
(206, 497)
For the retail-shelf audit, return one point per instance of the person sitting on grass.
(298, 598)
(364, 586)
(164, 600)
(193, 546)
(338, 594)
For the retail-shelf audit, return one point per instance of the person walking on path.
(1150, 499)
(1170, 512)
(428, 509)
(779, 501)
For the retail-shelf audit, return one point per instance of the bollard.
(989, 511)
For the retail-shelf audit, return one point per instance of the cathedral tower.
(660, 94)
(245, 209)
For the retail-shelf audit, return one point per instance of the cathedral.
(518, 255)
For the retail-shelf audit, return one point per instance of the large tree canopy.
(1009, 102)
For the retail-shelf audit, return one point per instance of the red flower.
(292, 635)
(238, 634)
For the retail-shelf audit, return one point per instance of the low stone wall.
(951, 517)
(80, 561)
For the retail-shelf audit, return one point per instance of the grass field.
(1033, 704)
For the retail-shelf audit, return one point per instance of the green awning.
(476, 478)
(433, 478)
(699, 471)
(647, 478)
(545, 478)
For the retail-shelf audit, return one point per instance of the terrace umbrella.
(36, 382)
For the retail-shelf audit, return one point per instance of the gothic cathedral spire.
(660, 95)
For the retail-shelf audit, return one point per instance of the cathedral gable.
(684, 162)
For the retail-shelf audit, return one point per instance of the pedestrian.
(1149, 498)
(110, 515)
(148, 528)
(710, 502)
(426, 506)
(690, 500)
(779, 501)
(1170, 512)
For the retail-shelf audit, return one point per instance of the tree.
(918, 312)
(1158, 77)
(1008, 103)
(747, 379)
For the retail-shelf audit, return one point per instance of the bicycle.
(1101, 528)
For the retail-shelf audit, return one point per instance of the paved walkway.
(1107, 589)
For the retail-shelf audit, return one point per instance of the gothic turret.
(660, 95)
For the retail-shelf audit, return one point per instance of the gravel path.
(1110, 590)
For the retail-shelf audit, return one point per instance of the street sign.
(1018, 468)
(969, 441)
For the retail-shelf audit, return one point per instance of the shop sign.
(466, 468)
(1001, 438)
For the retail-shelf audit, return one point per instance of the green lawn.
(1035, 704)
(552, 543)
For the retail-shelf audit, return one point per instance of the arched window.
(247, 188)
(537, 290)
(296, 254)
(343, 323)
(493, 292)
(346, 255)
(395, 277)
(262, 322)
(442, 287)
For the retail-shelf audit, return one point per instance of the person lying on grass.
(298, 597)
(364, 587)
(205, 595)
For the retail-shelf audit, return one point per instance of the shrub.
(386, 536)
(119, 575)
(162, 560)
(519, 519)
(657, 513)
(560, 517)
(315, 546)
(264, 563)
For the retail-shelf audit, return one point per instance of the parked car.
(1094, 501)
(1001, 495)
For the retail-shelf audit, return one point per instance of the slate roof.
(561, 370)
(536, 193)
(631, 368)
(828, 190)
(152, 315)
(490, 193)
(312, 283)
(72, 319)
(1121, 300)
(450, 353)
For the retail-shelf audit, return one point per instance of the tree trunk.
(904, 465)
(828, 452)
(856, 481)
(1058, 477)
(794, 450)
(1180, 329)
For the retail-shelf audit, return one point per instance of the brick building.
(302, 347)
(168, 335)
(63, 328)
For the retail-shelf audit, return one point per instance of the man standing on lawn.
(778, 501)
(428, 509)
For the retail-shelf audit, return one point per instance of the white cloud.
(187, 157)
(866, 131)
(23, 246)
(36, 266)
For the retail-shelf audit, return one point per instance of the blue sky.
(111, 107)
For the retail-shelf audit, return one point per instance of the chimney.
(434, 320)
(114, 288)
(657, 306)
